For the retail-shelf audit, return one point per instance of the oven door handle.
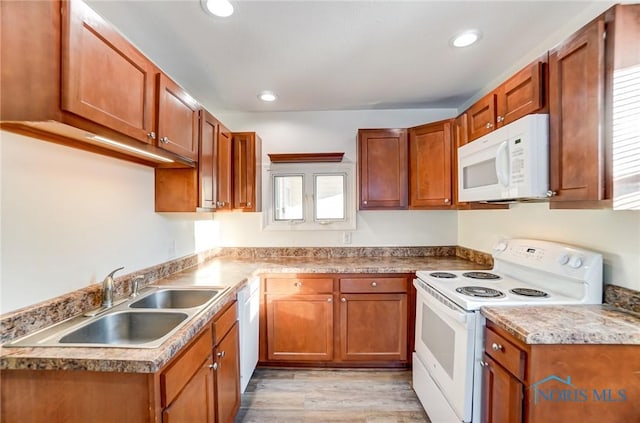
(447, 309)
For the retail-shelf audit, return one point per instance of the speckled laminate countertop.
(568, 324)
(231, 272)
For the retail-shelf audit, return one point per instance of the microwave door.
(503, 164)
(477, 176)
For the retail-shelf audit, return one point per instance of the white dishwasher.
(249, 314)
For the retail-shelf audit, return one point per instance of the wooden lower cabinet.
(302, 323)
(544, 383)
(199, 385)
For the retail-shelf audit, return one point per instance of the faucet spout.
(107, 289)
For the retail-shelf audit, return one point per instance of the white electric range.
(447, 371)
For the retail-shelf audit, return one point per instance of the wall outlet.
(346, 237)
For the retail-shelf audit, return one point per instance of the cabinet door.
(228, 376)
(382, 169)
(224, 199)
(482, 116)
(299, 327)
(208, 159)
(576, 95)
(373, 327)
(195, 402)
(520, 95)
(177, 119)
(430, 165)
(502, 394)
(245, 186)
(104, 78)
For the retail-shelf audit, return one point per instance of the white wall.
(331, 131)
(69, 217)
(616, 234)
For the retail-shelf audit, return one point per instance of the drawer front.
(373, 285)
(222, 323)
(299, 285)
(510, 356)
(182, 369)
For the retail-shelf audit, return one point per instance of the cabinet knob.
(164, 140)
(151, 135)
(551, 193)
(248, 203)
(297, 284)
(446, 200)
(496, 347)
(500, 118)
(213, 366)
(484, 363)
(344, 300)
(329, 300)
(489, 125)
(374, 284)
(220, 354)
(364, 202)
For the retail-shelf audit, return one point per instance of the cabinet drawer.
(299, 285)
(510, 356)
(176, 376)
(224, 322)
(373, 285)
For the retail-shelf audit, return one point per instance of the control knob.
(575, 262)
(500, 247)
(563, 259)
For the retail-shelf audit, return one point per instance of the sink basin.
(128, 327)
(176, 298)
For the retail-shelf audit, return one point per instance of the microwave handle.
(501, 172)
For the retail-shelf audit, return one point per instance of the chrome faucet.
(107, 289)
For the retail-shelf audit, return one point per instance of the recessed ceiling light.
(221, 8)
(267, 96)
(465, 38)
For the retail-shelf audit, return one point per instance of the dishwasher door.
(249, 312)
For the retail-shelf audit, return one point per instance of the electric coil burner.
(448, 362)
(443, 275)
(529, 292)
(480, 291)
(481, 275)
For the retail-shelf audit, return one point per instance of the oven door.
(445, 344)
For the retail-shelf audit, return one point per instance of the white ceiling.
(335, 55)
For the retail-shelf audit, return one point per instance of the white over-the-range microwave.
(510, 163)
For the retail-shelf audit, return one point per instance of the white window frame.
(309, 171)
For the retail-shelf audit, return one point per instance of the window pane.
(329, 195)
(288, 197)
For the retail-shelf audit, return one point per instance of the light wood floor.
(328, 395)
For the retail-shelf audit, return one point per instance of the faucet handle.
(135, 284)
(110, 275)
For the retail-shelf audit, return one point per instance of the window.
(310, 196)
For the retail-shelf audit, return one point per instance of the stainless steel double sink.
(145, 321)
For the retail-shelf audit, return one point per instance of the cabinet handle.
(344, 300)
(496, 347)
(489, 125)
(297, 284)
(213, 366)
(374, 284)
(329, 300)
(551, 193)
(151, 135)
(500, 118)
(484, 363)
(220, 354)
(164, 140)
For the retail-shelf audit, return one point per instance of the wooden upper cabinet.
(177, 119)
(383, 169)
(520, 95)
(482, 116)
(576, 94)
(247, 171)
(430, 165)
(208, 160)
(224, 196)
(104, 78)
